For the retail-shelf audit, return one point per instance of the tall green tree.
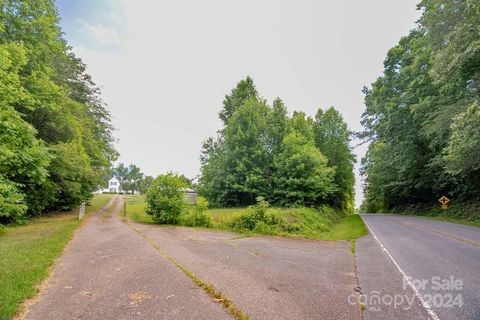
(302, 175)
(248, 159)
(262, 152)
(23, 161)
(245, 90)
(333, 139)
(145, 184)
(462, 154)
(48, 87)
(416, 111)
(133, 179)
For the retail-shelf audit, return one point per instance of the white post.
(81, 213)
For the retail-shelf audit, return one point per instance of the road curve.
(442, 260)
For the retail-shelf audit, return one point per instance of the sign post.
(444, 201)
(81, 213)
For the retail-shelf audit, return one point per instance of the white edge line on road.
(416, 293)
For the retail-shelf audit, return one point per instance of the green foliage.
(196, 215)
(144, 184)
(246, 157)
(29, 251)
(136, 205)
(237, 169)
(23, 161)
(462, 153)
(467, 212)
(261, 151)
(166, 198)
(349, 228)
(55, 133)
(422, 114)
(302, 175)
(256, 218)
(120, 172)
(132, 179)
(302, 125)
(12, 206)
(245, 90)
(333, 139)
(324, 223)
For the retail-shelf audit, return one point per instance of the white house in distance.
(114, 186)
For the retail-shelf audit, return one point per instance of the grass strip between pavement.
(207, 288)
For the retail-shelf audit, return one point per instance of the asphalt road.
(442, 260)
(117, 270)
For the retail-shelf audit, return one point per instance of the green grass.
(467, 213)
(293, 222)
(440, 216)
(349, 228)
(98, 201)
(221, 218)
(136, 209)
(474, 223)
(321, 224)
(27, 253)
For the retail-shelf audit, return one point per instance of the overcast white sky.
(165, 66)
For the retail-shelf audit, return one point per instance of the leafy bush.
(256, 218)
(11, 202)
(196, 215)
(166, 198)
(302, 221)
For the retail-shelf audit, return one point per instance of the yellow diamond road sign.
(444, 201)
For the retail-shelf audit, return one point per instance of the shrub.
(166, 198)
(196, 215)
(256, 218)
(12, 207)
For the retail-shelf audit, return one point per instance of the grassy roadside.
(136, 209)
(439, 217)
(349, 228)
(323, 224)
(467, 213)
(27, 253)
(474, 223)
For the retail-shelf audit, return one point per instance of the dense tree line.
(288, 160)
(56, 140)
(423, 114)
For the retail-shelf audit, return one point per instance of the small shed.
(190, 196)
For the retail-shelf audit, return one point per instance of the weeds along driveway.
(265, 277)
(118, 270)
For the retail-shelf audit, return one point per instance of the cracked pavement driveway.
(109, 271)
(267, 277)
